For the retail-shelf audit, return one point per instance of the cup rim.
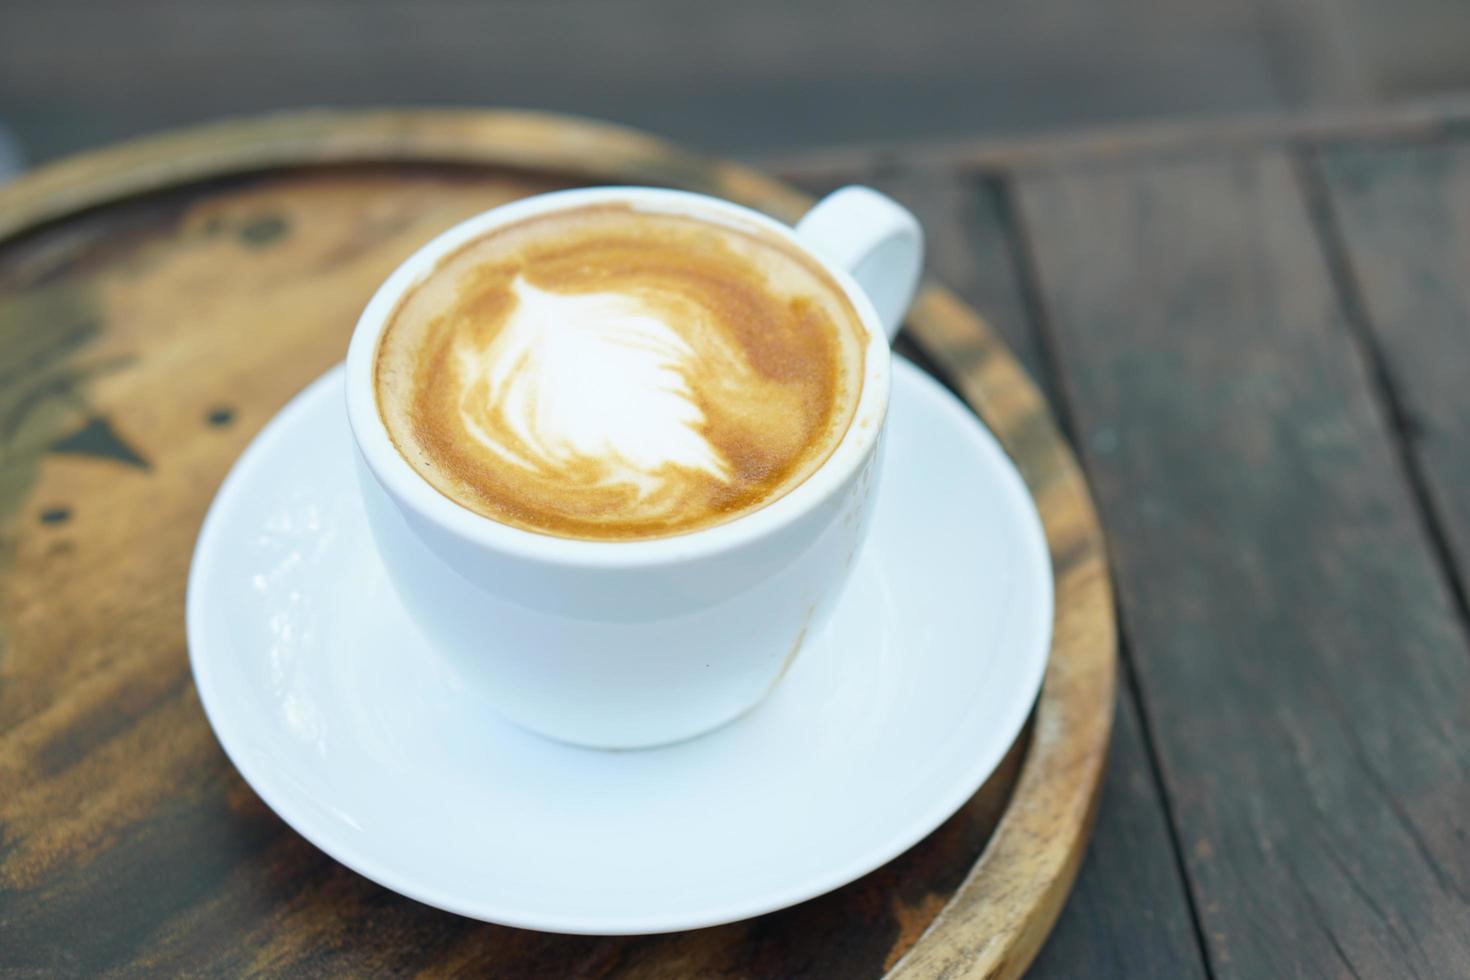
(415, 493)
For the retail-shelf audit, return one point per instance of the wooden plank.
(1418, 121)
(1300, 661)
(1128, 915)
(1404, 221)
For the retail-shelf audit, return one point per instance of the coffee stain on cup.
(806, 623)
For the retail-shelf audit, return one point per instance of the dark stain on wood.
(264, 231)
(97, 438)
(42, 334)
(220, 416)
(55, 515)
(161, 866)
(127, 705)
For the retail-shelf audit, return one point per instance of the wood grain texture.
(1403, 217)
(158, 303)
(1299, 657)
(1127, 915)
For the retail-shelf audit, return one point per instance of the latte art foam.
(609, 373)
(594, 382)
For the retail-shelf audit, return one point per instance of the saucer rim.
(1034, 554)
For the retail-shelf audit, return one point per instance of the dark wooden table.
(1258, 339)
(1257, 336)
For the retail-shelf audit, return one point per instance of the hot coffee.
(607, 372)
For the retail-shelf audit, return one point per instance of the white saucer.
(333, 709)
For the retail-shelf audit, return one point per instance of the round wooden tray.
(159, 301)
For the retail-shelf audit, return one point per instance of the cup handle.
(876, 240)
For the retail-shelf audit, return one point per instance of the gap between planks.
(1034, 303)
(1325, 223)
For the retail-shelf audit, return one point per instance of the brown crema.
(607, 373)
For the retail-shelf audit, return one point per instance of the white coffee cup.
(622, 644)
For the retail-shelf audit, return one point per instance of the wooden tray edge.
(997, 920)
